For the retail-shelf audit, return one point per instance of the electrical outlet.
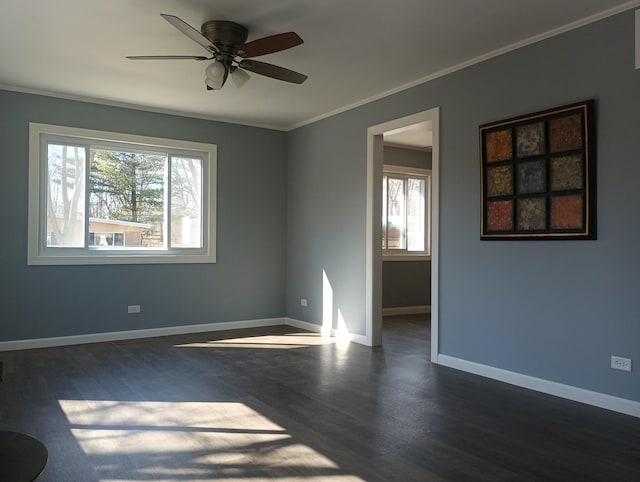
(619, 363)
(303, 302)
(133, 309)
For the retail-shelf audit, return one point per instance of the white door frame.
(373, 312)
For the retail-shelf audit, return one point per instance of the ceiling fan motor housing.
(225, 35)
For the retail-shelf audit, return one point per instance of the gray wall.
(399, 156)
(406, 283)
(246, 283)
(553, 310)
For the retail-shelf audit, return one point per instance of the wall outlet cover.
(619, 363)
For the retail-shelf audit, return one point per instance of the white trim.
(406, 310)
(303, 325)
(135, 334)
(637, 39)
(167, 331)
(373, 282)
(435, 239)
(597, 399)
(468, 63)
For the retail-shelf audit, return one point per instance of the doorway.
(407, 126)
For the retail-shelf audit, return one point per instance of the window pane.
(65, 195)
(415, 214)
(396, 214)
(118, 239)
(186, 202)
(127, 196)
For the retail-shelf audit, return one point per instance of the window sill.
(115, 259)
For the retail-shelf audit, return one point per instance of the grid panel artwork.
(538, 175)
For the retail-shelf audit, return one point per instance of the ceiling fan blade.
(190, 32)
(273, 71)
(268, 45)
(167, 57)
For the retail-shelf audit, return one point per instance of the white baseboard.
(597, 399)
(135, 334)
(165, 331)
(303, 325)
(406, 310)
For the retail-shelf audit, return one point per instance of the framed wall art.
(539, 176)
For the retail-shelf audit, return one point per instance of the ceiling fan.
(226, 44)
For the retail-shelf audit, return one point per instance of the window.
(406, 194)
(107, 198)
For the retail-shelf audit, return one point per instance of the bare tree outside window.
(65, 195)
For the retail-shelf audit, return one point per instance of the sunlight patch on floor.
(281, 342)
(156, 441)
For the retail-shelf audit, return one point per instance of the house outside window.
(406, 194)
(107, 198)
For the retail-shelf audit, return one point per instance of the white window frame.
(405, 255)
(41, 254)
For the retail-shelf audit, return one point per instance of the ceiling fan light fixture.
(216, 75)
(239, 77)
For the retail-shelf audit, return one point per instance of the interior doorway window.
(406, 194)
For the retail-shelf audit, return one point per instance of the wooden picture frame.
(538, 175)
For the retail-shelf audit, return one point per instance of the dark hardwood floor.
(279, 403)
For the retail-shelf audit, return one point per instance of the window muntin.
(101, 198)
(405, 211)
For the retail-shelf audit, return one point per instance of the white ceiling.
(418, 136)
(354, 50)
